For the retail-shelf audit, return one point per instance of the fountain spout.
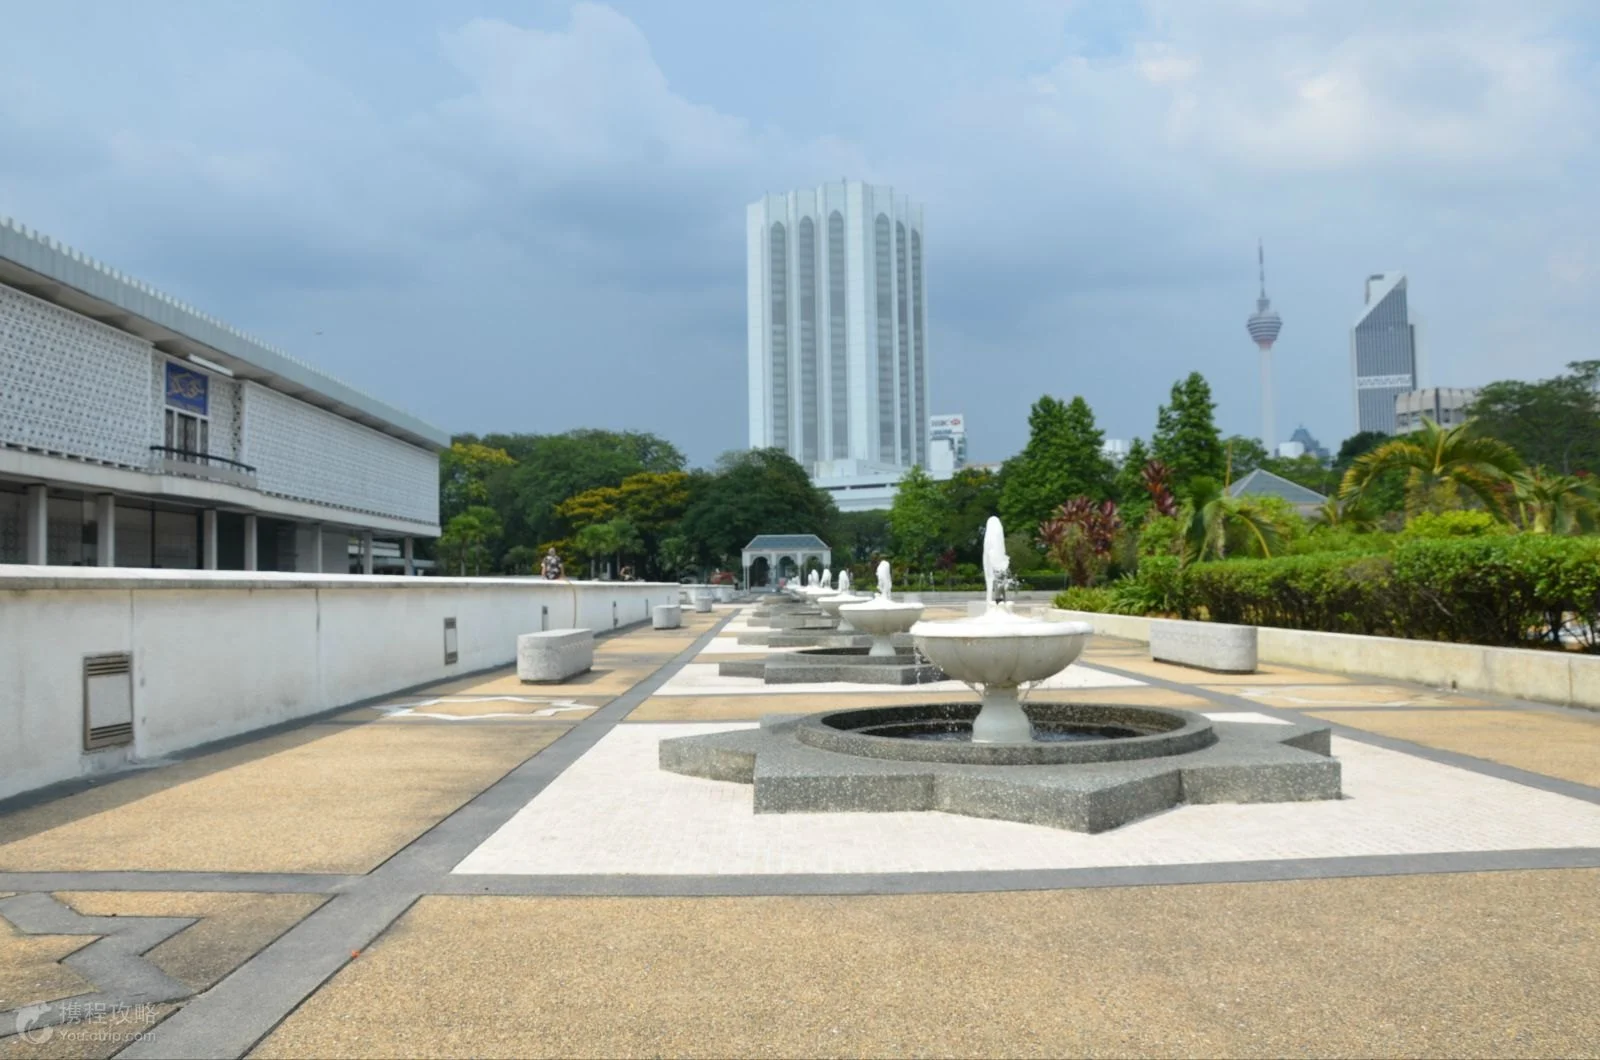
(996, 564)
(885, 582)
(827, 577)
(844, 581)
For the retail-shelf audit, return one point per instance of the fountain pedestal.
(1000, 719)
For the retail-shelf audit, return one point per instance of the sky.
(530, 216)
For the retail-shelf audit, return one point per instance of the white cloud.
(1094, 189)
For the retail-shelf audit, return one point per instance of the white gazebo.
(775, 548)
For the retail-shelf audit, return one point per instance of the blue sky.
(529, 216)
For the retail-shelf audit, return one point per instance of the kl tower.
(1264, 325)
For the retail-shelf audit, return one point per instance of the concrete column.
(208, 539)
(37, 530)
(409, 547)
(251, 557)
(105, 530)
(316, 549)
(366, 552)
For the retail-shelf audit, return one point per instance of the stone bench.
(1211, 646)
(666, 616)
(554, 655)
(702, 601)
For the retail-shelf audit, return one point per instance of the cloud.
(481, 208)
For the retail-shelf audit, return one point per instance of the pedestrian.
(552, 565)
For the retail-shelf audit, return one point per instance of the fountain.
(831, 604)
(1000, 650)
(885, 655)
(1090, 766)
(881, 618)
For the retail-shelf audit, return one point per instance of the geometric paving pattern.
(478, 870)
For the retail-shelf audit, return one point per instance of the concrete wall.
(219, 653)
(1564, 678)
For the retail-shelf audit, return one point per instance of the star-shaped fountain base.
(1238, 762)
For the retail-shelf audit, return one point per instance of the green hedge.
(1511, 590)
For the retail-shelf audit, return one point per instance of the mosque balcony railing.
(188, 463)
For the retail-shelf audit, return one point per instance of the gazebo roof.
(787, 543)
(1263, 483)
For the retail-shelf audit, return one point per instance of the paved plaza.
(487, 868)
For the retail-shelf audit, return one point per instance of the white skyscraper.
(837, 332)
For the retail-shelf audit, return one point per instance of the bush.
(1162, 586)
(1453, 524)
(1085, 598)
(1492, 589)
(1162, 536)
(1334, 539)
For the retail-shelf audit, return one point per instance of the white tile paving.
(615, 811)
(702, 679)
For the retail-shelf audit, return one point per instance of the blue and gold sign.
(186, 390)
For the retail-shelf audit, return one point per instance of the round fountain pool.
(961, 732)
(1062, 733)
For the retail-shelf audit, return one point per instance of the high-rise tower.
(1264, 325)
(838, 331)
(1383, 352)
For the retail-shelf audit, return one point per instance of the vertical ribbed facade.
(1383, 352)
(838, 373)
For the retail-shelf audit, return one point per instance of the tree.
(1217, 524)
(757, 491)
(970, 497)
(1353, 515)
(1080, 536)
(468, 540)
(916, 519)
(1305, 470)
(595, 542)
(555, 467)
(1127, 486)
(1358, 444)
(1554, 422)
(465, 470)
(520, 559)
(599, 505)
(860, 537)
(1439, 463)
(1242, 455)
(1157, 479)
(1062, 459)
(1557, 504)
(1186, 438)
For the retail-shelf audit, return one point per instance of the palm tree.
(1351, 515)
(1218, 523)
(1439, 462)
(1550, 503)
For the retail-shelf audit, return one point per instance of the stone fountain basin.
(831, 604)
(1000, 649)
(1161, 732)
(880, 618)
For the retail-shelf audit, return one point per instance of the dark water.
(961, 732)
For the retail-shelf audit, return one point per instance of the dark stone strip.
(113, 963)
(230, 1018)
(1022, 879)
(120, 880)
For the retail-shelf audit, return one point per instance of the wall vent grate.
(107, 700)
(451, 654)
